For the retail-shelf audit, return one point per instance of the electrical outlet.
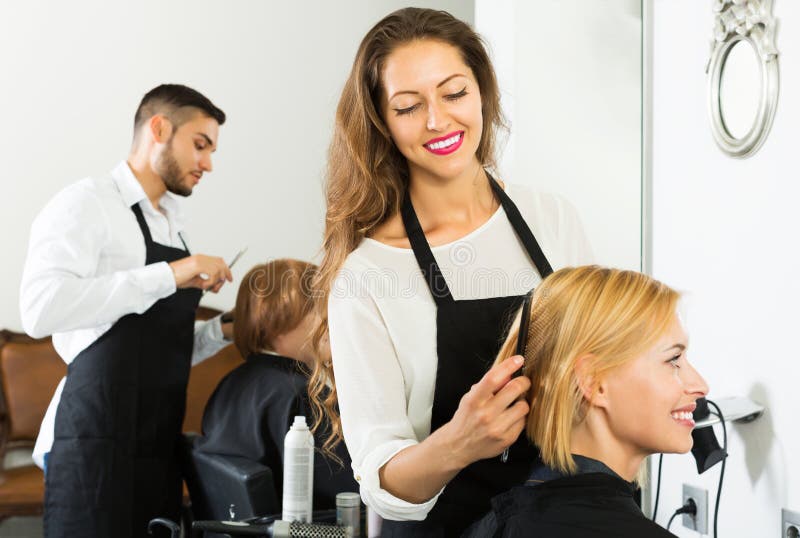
(790, 524)
(699, 521)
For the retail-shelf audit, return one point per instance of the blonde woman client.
(610, 384)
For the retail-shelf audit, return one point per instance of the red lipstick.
(445, 145)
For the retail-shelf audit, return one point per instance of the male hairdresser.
(110, 276)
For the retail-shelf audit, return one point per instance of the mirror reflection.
(569, 164)
(740, 89)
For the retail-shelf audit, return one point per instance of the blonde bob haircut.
(601, 317)
(273, 299)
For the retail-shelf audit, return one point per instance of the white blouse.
(382, 322)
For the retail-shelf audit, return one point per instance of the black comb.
(524, 322)
(522, 343)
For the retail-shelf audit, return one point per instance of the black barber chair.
(216, 482)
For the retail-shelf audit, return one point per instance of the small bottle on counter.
(348, 512)
(298, 472)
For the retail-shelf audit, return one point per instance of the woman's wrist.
(446, 443)
(418, 473)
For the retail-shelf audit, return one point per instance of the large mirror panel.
(571, 76)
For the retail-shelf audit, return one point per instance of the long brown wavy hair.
(367, 176)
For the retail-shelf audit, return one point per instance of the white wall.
(725, 232)
(570, 75)
(74, 72)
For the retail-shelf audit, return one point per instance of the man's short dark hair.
(167, 99)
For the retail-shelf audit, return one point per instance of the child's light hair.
(273, 299)
(605, 317)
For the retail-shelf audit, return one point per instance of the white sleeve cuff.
(215, 330)
(208, 339)
(384, 503)
(156, 281)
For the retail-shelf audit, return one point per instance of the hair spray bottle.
(298, 472)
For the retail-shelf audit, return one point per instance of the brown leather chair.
(204, 378)
(29, 373)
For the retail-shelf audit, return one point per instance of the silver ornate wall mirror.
(740, 89)
(742, 75)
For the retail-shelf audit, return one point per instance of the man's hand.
(201, 271)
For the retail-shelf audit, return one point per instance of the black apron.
(114, 461)
(469, 334)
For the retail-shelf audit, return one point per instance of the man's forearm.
(52, 302)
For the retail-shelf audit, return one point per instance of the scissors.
(233, 261)
(522, 343)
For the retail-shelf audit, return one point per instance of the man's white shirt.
(85, 269)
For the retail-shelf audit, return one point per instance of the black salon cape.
(595, 504)
(249, 414)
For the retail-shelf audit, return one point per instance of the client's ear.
(593, 389)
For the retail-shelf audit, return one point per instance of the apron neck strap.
(427, 262)
(422, 252)
(522, 230)
(148, 239)
(185, 246)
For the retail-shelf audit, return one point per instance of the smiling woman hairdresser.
(595, 341)
(427, 258)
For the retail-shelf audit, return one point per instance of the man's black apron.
(469, 334)
(114, 461)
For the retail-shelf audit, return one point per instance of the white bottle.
(298, 472)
